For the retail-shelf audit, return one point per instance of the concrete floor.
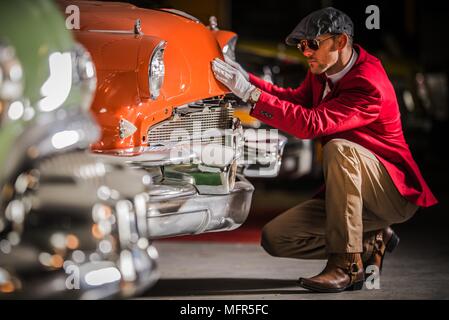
(196, 270)
(418, 269)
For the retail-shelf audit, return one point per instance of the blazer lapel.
(331, 93)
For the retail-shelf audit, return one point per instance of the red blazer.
(361, 107)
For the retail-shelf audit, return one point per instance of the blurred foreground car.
(67, 225)
(160, 109)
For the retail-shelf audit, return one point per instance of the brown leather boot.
(386, 240)
(344, 271)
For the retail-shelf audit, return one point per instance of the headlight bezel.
(229, 48)
(156, 70)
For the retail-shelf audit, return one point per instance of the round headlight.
(157, 70)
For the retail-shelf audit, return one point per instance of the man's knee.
(340, 152)
(271, 241)
(334, 148)
(277, 244)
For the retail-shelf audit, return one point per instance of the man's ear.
(342, 41)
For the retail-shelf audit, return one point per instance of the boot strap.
(352, 271)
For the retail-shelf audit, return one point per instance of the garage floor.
(217, 266)
(418, 269)
(232, 265)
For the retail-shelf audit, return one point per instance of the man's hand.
(232, 78)
(236, 65)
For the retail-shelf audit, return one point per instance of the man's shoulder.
(367, 65)
(367, 73)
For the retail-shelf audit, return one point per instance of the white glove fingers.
(221, 76)
(220, 69)
(225, 65)
(237, 66)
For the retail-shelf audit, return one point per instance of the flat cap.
(327, 20)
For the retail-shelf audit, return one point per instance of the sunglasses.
(312, 44)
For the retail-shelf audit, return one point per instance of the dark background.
(416, 29)
(408, 28)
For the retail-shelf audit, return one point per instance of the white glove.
(236, 65)
(232, 78)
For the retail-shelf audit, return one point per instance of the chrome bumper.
(174, 210)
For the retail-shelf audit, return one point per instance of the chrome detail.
(182, 215)
(40, 140)
(262, 155)
(84, 74)
(85, 168)
(156, 68)
(213, 23)
(189, 120)
(138, 27)
(229, 49)
(207, 179)
(83, 125)
(126, 129)
(151, 156)
(88, 245)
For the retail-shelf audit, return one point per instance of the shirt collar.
(337, 76)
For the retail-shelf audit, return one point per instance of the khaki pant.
(360, 199)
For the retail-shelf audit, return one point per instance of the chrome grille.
(194, 119)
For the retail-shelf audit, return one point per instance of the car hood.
(190, 48)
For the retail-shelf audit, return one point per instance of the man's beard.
(318, 68)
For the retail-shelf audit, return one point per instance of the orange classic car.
(160, 108)
(149, 63)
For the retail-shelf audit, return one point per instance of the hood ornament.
(138, 27)
(213, 23)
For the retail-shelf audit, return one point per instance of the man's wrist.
(254, 96)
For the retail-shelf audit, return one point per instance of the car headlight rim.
(156, 70)
(229, 48)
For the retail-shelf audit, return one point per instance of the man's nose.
(307, 52)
